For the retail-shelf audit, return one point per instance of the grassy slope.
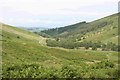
(107, 30)
(109, 33)
(26, 49)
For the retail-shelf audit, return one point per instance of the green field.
(25, 55)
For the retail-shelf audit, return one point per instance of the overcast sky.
(54, 13)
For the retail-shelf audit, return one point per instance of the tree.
(57, 39)
(94, 47)
(18, 37)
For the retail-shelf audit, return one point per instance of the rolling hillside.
(101, 34)
(25, 55)
(104, 30)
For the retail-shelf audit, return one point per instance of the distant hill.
(61, 30)
(104, 30)
(34, 29)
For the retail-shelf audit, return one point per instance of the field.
(25, 55)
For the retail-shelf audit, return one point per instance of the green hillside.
(109, 33)
(26, 55)
(99, 28)
(100, 32)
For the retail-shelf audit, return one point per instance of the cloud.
(47, 12)
(30, 20)
(40, 7)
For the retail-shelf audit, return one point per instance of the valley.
(54, 55)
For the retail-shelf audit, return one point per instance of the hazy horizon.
(54, 13)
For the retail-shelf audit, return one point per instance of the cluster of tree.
(64, 43)
(86, 44)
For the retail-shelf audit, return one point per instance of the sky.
(54, 13)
